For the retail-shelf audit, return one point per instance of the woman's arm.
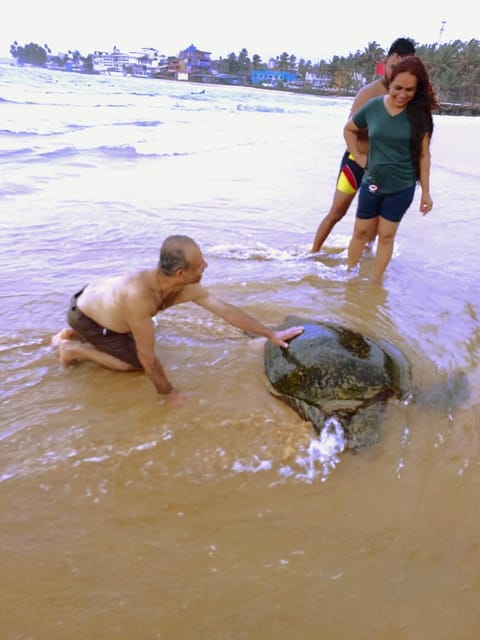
(426, 202)
(351, 133)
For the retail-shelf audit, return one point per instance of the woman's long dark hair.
(419, 109)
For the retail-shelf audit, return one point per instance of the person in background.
(400, 127)
(351, 173)
(111, 319)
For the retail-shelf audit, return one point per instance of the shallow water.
(223, 518)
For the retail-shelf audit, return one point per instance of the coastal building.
(104, 62)
(273, 78)
(317, 81)
(144, 62)
(194, 65)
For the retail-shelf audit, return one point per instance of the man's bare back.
(109, 301)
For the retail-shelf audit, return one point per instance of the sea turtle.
(330, 370)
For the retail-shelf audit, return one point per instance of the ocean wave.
(12, 189)
(314, 461)
(127, 151)
(64, 152)
(29, 154)
(309, 459)
(11, 101)
(256, 251)
(35, 132)
(261, 108)
(15, 154)
(67, 101)
(138, 123)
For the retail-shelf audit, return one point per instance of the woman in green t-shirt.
(400, 127)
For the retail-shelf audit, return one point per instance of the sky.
(311, 30)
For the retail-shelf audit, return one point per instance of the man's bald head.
(173, 254)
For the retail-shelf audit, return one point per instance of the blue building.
(270, 78)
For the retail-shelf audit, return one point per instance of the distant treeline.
(454, 67)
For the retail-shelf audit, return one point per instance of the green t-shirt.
(389, 163)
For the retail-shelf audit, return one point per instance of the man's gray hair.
(172, 254)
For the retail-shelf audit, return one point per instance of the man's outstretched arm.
(242, 320)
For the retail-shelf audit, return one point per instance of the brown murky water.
(124, 518)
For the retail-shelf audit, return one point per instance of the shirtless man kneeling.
(111, 319)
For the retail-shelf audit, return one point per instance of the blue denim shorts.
(390, 206)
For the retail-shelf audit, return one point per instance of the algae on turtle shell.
(330, 370)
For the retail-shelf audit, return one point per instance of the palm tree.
(256, 61)
(232, 63)
(467, 66)
(283, 61)
(243, 61)
(372, 54)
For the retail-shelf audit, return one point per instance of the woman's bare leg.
(362, 231)
(386, 239)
